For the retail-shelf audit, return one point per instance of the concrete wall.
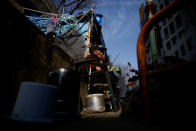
(27, 55)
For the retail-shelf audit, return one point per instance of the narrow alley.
(58, 74)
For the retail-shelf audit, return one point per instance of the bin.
(68, 83)
(35, 102)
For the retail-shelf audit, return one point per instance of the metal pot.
(95, 103)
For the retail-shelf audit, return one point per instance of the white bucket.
(35, 103)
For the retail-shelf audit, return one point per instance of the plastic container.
(35, 103)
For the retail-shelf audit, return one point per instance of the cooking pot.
(95, 103)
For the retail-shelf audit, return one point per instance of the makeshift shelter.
(74, 34)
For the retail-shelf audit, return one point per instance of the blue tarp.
(99, 19)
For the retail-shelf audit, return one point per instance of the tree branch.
(77, 6)
(71, 3)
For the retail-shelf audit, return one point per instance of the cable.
(41, 11)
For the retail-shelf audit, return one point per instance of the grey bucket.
(35, 103)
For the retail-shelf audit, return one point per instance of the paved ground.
(111, 121)
(97, 121)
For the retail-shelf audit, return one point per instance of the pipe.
(141, 50)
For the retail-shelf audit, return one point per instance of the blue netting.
(56, 24)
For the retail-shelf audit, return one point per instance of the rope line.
(41, 12)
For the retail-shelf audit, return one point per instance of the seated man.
(97, 65)
(98, 57)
